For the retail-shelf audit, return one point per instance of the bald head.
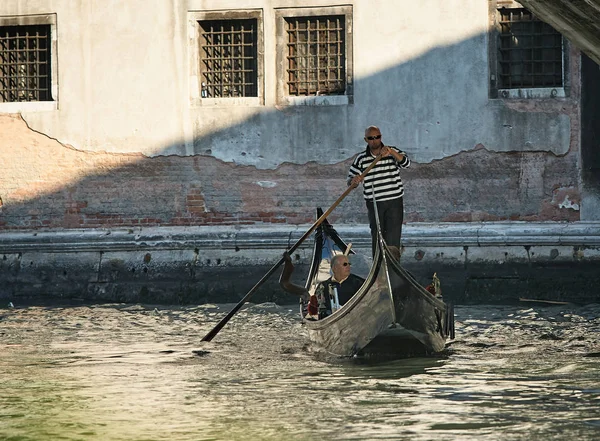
(372, 130)
(340, 267)
(338, 258)
(373, 138)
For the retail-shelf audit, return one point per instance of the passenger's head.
(340, 266)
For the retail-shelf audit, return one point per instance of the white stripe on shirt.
(384, 178)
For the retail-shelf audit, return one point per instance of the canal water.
(139, 372)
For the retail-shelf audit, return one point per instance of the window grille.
(316, 55)
(229, 58)
(530, 51)
(25, 63)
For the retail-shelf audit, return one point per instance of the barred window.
(25, 70)
(229, 58)
(316, 56)
(530, 51)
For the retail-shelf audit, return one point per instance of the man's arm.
(354, 173)
(398, 155)
(285, 282)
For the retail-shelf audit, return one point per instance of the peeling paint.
(266, 184)
(568, 204)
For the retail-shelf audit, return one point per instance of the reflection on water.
(122, 372)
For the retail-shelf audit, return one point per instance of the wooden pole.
(236, 308)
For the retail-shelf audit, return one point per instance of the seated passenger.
(331, 294)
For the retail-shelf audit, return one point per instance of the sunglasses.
(346, 264)
(371, 138)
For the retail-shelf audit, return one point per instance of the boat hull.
(391, 315)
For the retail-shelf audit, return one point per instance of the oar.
(236, 308)
(348, 248)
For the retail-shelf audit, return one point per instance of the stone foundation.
(477, 263)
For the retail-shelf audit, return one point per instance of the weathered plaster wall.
(125, 227)
(126, 150)
(48, 184)
(579, 21)
(124, 86)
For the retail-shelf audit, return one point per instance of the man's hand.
(386, 151)
(355, 181)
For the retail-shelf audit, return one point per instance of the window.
(227, 57)
(314, 56)
(228, 54)
(530, 51)
(27, 64)
(529, 55)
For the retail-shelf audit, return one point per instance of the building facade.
(161, 146)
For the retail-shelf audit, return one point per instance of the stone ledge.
(583, 234)
(485, 262)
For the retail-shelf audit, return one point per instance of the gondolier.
(384, 180)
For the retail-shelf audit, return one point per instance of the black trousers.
(391, 216)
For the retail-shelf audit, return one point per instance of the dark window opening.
(530, 51)
(228, 58)
(25, 63)
(316, 57)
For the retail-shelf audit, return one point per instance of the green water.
(117, 372)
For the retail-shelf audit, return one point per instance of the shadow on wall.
(468, 165)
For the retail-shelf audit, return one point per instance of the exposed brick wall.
(480, 185)
(47, 184)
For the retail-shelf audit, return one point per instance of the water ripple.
(137, 372)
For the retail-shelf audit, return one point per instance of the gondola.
(390, 316)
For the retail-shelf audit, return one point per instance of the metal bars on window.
(316, 55)
(228, 58)
(531, 51)
(25, 63)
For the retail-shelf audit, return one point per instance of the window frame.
(494, 61)
(195, 80)
(282, 97)
(36, 106)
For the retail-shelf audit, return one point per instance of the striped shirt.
(384, 177)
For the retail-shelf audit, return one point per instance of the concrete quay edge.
(488, 234)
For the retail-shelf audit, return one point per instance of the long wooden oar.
(236, 308)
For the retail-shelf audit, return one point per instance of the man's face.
(341, 268)
(373, 138)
